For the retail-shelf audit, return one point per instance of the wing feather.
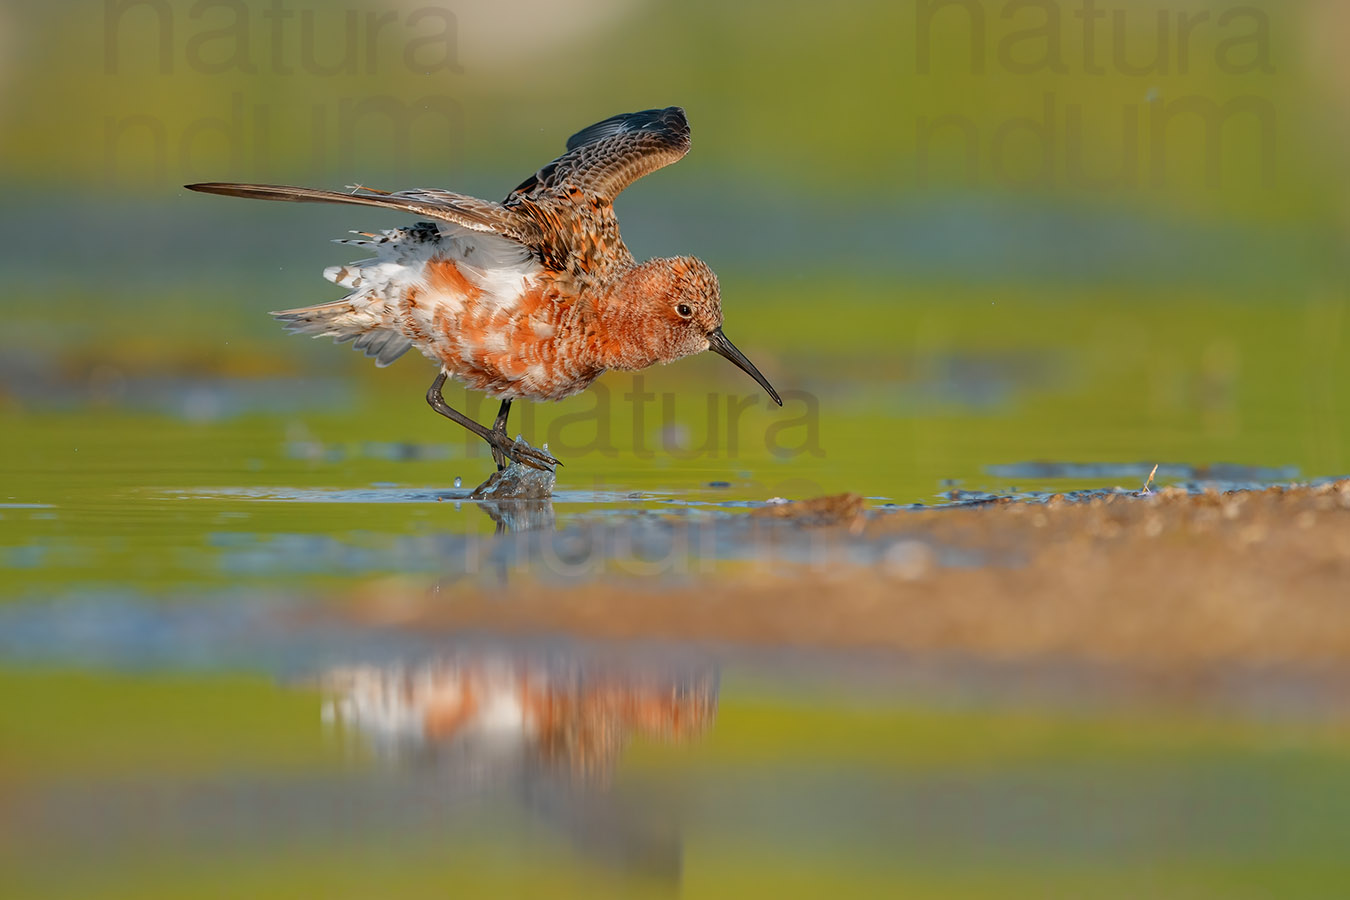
(608, 156)
(563, 213)
(446, 206)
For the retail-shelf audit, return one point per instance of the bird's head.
(673, 309)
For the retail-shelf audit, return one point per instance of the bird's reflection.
(563, 716)
(546, 732)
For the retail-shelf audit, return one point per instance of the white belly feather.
(375, 316)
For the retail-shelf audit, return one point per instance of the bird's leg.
(500, 428)
(497, 440)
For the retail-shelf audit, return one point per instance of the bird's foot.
(505, 448)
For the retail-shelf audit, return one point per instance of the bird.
(530, 298)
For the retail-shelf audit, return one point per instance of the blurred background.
(978, 244)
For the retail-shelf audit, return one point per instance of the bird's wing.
(610, 155)
(571, 200)
(445, 206)
(563, 213)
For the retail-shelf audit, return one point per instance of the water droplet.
(459, 482)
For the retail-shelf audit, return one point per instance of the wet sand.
(1167, 581)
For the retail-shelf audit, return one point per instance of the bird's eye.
(684, 310)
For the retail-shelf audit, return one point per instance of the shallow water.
(191, 711)
(570, 769)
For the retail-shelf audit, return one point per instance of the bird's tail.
(368, 316)
(345, 320)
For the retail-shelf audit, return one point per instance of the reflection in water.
(486, 712)
(550, 733)
(514, 516)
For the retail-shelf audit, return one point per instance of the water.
(194, 707)
(567, 768)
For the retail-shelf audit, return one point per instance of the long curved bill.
(718, 343)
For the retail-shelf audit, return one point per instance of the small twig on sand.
(1149, 480)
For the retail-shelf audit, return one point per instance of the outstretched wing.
(610, 155)
(445, 206)
(571, 200)
(563, 213)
